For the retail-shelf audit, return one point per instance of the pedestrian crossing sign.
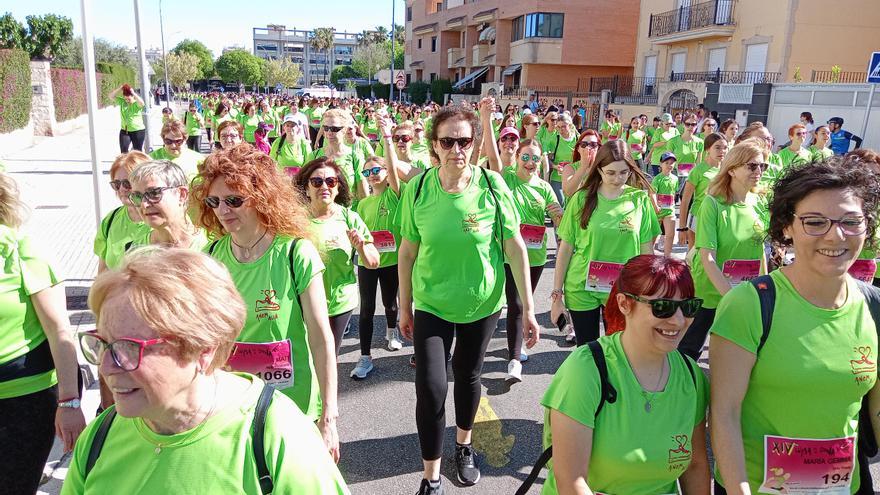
(874, 68)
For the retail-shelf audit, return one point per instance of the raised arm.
(490, 147)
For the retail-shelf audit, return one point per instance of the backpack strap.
(766, 289)
(110, 221)
(293, 272)
(212, 247)
(687, 363)
(419, 186)
(98, 441)
(257, 434)
(498, 217)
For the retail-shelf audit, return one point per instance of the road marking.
(489, 437)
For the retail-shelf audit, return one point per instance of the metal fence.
(627, 90)
(830, 76)
(696, 16)
(727, 77)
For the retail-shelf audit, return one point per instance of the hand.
(356, 239)
(487, 106)
(327, 427)
(385, 126)
(556, 310)
(69, 423)
(555, 211)
(406, 323)
(590, 157)
(531, 330)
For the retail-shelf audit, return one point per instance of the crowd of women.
(227, 282)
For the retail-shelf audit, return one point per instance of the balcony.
(700, 20)
(455, 58)
(480, 54)
(726, 77)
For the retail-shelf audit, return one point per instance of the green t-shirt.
(274, 311)
(193, 124)
(379, 213)
(700, 177)
(340, 282)
(290, 154)
(145, 239)
(314, 115)
(132, 120)
(819, 155)
(735, 232)
(371, 130)
(458, 274)
(685, 151)
(350, 163)
(616, 231)
(665, 185)
(217, 459)
(636, 142)
(662, 137)
(810, 376)
(116, 230)
(789, 158)
(531, 199)
(564, 153)
(615, 130)
(24, 273)
(634, 451)
(547, 139)
(188, 160)
(250, 125)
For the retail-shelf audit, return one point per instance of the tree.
(12, 32)
(281, 71)
(240, 66)
(105, 51)
(197, 48)
(44, 37)
(342, 72)
(369, 59)
(399, 34)
(182, 68)
(368, 37)
(323, 39)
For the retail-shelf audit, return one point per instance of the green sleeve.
(694, 175)
(570, 224)
(306, 148)
(36, 273)
(99, 247)
(650, 227)
(738, 318)
(575, 389)
(307, 264)
(355, 222)
(406, 212)
(273, 151)
(509, 214)
(707, 234)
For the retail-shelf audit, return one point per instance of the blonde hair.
(12, 209)
(737, 157)
(338, 114)
(186, 296)
(128, 162)
(164, 170)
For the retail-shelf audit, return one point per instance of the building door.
(650, 74)
(756, 57)
(678, 62)
(717, 58)
(684, 11)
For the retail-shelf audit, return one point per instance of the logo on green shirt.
(266, 305)
(680, 456)
(626, 225)
(471, 224)
(863, 366)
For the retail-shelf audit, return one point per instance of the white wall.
(787, 101)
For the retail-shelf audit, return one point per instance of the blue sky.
(217, 23)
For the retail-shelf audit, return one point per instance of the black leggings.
(367, 279)
(131, 139)
(586, 324)
(432, 341)
(695, 337)
(27, 432)
(337, 326)
(515, 310)
(194, 142)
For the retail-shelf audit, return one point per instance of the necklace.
(198, 428)
(649, 397)
(247, 250)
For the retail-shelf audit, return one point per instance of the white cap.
(289, 118)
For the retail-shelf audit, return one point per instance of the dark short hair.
(453, 113)
(302, 180)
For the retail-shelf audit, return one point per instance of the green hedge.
(114, 75)
(15, 90)
(440, 88)
(418, 91)
(379, 90)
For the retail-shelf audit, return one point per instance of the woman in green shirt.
(730, 238)
(132, 131)
(173, 137)
(249, 120)
(688, 149)
(194, 124)
(291, 150)
(794, 153)
(560, 153)
(611, 128)
(637, 140)
(821, 140)
(221, 115)
(696, 185)
(575, 173)
(802, 379)
(651, 436)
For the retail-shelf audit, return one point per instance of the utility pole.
(391, 84)
(145, 78)
(164, 56)
(88, 46)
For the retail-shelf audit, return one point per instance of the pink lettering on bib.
(601, 275)
(272, 362)
(384, 241)
(685, 168)
(372, 136)
(863, 270)
(533, 235)
(739, 271)
(803, 465)
(665, 200)
(637, 147)
(291, 171)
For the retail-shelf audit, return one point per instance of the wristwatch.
(73, 403)
(681, 230)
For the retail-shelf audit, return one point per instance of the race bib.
(863, 270)
(739, 271)
(272, 362)
(561, 165)
(384, 241)
(802, 465)
(316, 121)
(636, 147)
(372, 136)
(291, 171)
(665, 200)
(601, 275)
(685, 168)
(533, 235)
(613, 137)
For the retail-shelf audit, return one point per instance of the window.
(408, 14)
(538, 25)
(717, 58)
(678, 62)
(433, 44)
(439, 6)
(756, 57)
(420, 43)
(269, 47)
(433, 76)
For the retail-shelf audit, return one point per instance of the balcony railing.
(828, 76)
(626, 89)
(726, 77)
(696, 16)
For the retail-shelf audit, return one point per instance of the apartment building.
(276, 41)
(520, 43)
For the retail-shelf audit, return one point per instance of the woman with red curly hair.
(653, 430)
(263, 239)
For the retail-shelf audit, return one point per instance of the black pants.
(586, 324)
(129, 140)
(208, 133)
(337, 326)
(432, 340)
(367, 279)
(26, 434)
(695, 338)
(515, 310)
(194, 142)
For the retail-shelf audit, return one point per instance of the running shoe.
(363, 368)
(570, 338)
(514, 371)
(466, 464)
(428, 488)
(523, 356)
(394, 343)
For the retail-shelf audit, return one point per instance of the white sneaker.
(394, 343)
(571, 338)
(514, 371)
(523, 355)
(363, 368)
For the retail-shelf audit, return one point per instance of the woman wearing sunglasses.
(607, 222)
(39, 393)
(124, 223)
(529, 127)
(335, 149)
(292, 148)
(795, 153)
(662, 136)
(730, 236)
(400, 140)
(457, 222)
(561, 153)
(707, 126)
(574, 174)
(801, 380)
(501, 154)
(688, 149)
(167, 321)
(653, 436)
(715, 149)
(340, 234)
(353, 138)
(370, 126)
(173, 149)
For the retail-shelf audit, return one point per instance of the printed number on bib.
(601, 275)
(533, 235)
(739, 271)
(803, 465)
(665, 200)
(272, 362)
(685, 168)
(863, 270)
(384, 241)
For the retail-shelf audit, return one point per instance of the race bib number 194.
(808, 466)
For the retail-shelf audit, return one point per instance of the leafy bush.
(69, 88)
(439, 88)
(418, 91)
(112, 76)
(15, 90)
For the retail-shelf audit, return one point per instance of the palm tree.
(323, 39)
(383, 32)
(400, 34)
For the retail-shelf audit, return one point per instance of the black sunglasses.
(665, 308)
(403, 137)
(463, 143)
(372, 171)
(213, 202)
(317, 182)
(152, 195)
(117, 184)
(332, 128)
(754, 166)
(588, 144)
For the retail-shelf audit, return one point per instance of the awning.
(470, 77)
(511, 69)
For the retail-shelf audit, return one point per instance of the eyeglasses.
(213, 202)
(317, 182)
(120, 184)
(665, 308)
(526, 157)
(588, 144)
(370, 171)
(152, 195)
(463, 143)
(817, 225)
(229, 136)
(127, 353)
(615, 173)
(754, 166)
(332, 128)
(690, 124)
(173, 141)
(510, 138)
(403, 137)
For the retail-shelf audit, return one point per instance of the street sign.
(400, 80)
(874, 68)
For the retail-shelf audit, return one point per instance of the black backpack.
(257, 433)
(608, 394)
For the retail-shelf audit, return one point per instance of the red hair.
(792, 129)
(577, 146)
(647, 275)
